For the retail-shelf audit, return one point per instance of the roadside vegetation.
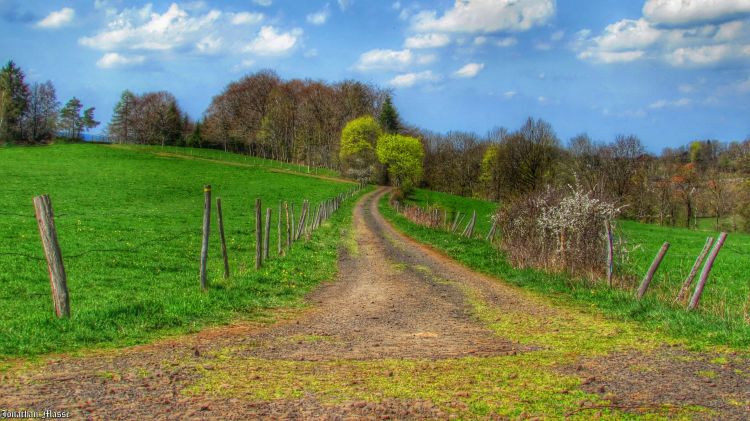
(129, 224)
(721, 319)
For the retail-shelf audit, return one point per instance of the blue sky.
(669, 71)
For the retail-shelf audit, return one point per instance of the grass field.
(721, 319)
(129, 224)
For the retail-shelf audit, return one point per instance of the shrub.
(557, 229)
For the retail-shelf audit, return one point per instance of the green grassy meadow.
(723, 308)
(129, 225)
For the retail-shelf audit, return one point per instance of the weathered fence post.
(58, 280)
(610, 253)
(652, 270)
(281, 250)
(706, 270)
(288, 227)
(294, 227)
(206, 232)
(455, 222)
(694, 271)
(469, 230)
(267, 238)
(220, 218)
(258, 235)
(491, 233)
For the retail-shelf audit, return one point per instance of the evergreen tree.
(121, 126)
(14, 99)
(88, 121)
(389, 119)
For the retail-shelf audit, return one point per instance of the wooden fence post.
(491, 233)
(258, 235)
(455, 222)
(294, 227)
(220, 218)
(281, 250)
(288, 227)
(706, 270)
(652, 270)
(58, 280)
(694, 271)
(206, 232)
(610, 253)
(469, 230)
(267, 238)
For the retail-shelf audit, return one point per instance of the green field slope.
(129, 224)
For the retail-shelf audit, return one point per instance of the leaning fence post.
(694, 271)
(455, 222)
(294, 226)
(206, 232)
(652, 270)
(491, 233)
(610, 253)
(258, 235)
(220, 218)
(288, 227)
(57, 278)
(706, 270)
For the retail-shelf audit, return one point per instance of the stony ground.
(403, 333)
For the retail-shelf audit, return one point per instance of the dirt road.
(403, 333)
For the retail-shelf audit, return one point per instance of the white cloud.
(557, 35)
(209, 44)
(510, 94)
(243, 65)
(427, 41)
(272, 42)
(113, 60)
(685, 12)
(318, 18)
(344, 4)
(480, 40)
(264, 3)
(699, 55)
(410, 79)
(384, 60)
(396, 5)
(57, 19)
(486, 16)
(744, 85)
(470, 70)
(246, 18)
(506, 42)
(143, 29)
(699, 45)
(663, 103)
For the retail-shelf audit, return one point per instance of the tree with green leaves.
(72, 122)
(403, 156)
(389, 119)
(120, 128)
(14, 99)
(357, 152)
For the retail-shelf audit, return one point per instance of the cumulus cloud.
(264, 3)
(57, 19)
(687, 12)
(410, 79)
(143, 29)
(270, 41)
(113, 60)
(635, 39)
(510, 94)
(427, 41)
(486, 16)
(470, 70)
(384, 60)
(318, 18)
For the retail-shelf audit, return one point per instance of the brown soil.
(394, 299)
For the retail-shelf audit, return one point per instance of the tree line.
(32, 114)
(705, 178)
